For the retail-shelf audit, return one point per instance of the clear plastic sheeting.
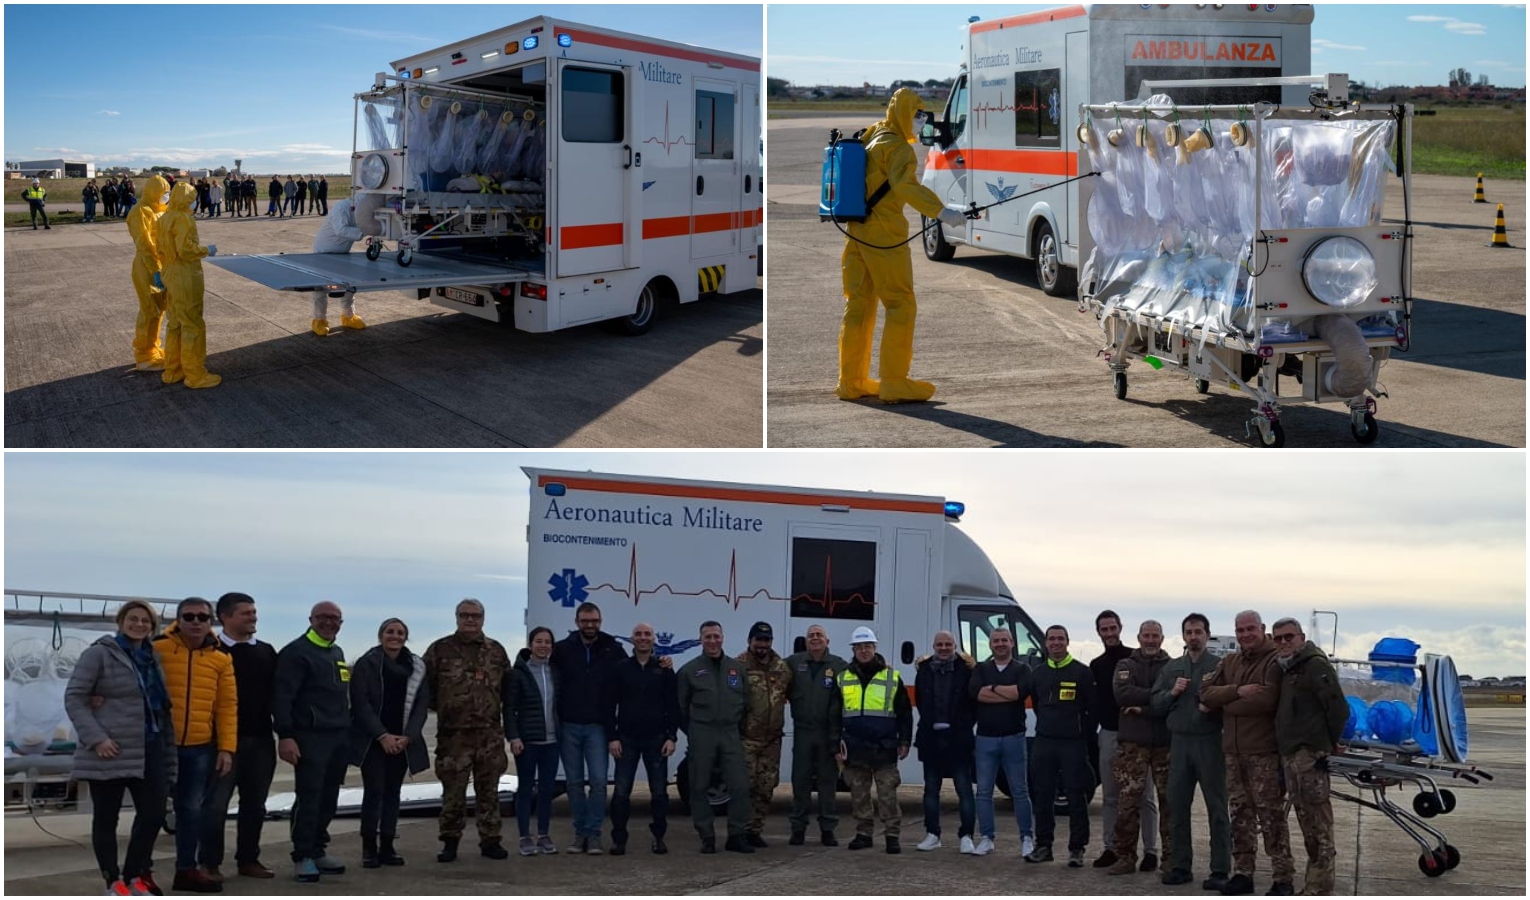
(1174, 229)
(451, 134)
(384, 122)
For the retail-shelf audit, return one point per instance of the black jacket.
(584, 697)
(367, 702)
(647, 700)
(323, 189)
(958, 738)
(999, 719)
(524, 720)
(1063, 698)
(312, 689)
(275, 190)
(254, 683)
(1102, 669)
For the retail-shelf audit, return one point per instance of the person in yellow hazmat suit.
(147, 282)
(186, 336)
(887, 275)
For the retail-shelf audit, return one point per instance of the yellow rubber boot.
(205, 380)
(352, 322)
(898, 355)
(320, 327)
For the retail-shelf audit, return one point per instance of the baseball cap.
(761, 630)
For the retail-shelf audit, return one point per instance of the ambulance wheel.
(405, 256)
(1275, 438)
(1120, 384)
(1447, 802)
(1056, 279)
(641, 319)
(1432, 864)
(935, 245)
(374, 251)
(1202, 385)
(1365, 431)
(716, 794)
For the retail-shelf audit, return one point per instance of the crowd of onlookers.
(233, 194)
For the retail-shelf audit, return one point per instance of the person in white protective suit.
(336, 235)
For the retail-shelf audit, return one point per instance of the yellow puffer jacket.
(204, 703)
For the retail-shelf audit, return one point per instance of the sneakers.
(118, 888)
(967, 846)
(1238, 884)
(305, 872)
(1075, 859)
(529, 846)
(860, 842)
(592, 847)
(932, 842)
(1178, 876)
(577, 846)
(1149, 862)
(1039, 855)
(1106, 859)
(328, 865)
(984, 847)
(545, 846)
(1281, 889)
(144, 885)
(1125, 865)
(1027, 845)
(195, 881)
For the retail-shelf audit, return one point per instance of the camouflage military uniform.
(1308, 722)
(1307, 786)
(1134, 765)
(886, 780)
(468, 679)
(768, 685)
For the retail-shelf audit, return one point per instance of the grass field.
(67, 190)
(1454, 141)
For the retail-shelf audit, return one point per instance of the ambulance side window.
(592, 106)
(834, 579)
(977, 623)
(956, 108)
(1038, 108)
(714, 125)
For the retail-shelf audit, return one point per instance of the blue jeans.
(958, 768)
(585, 755)
(656, 768)
(193, 784)
(538, 763)
(1007, 752)
(90, 210)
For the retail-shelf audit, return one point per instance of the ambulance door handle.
(701, 185)
(960, 160)
(629, 156)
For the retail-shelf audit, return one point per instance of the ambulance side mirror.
(936, 134)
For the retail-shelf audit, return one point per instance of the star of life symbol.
(568, 588)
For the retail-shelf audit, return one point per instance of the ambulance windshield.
(978, 622)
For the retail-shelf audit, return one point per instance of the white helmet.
(863, 635)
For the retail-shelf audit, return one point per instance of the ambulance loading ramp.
(354, 272)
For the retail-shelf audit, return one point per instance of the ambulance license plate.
(460, 296)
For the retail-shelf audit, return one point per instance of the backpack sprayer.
(842, 196)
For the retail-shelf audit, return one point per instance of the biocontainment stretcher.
(1244, 245)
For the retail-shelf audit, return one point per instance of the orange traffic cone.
(1480, 197)
(1500, 235)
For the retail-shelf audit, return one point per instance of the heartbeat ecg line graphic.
(983, 108)
(634, 592)
(665, 141)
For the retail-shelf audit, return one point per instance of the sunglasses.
(196, 617)
(1283, 638)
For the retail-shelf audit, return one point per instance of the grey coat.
(105, 670)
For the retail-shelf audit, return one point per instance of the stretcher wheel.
(1120, 384)
(405, 256)
(374, 250)
(1202, 385)
(1452, 856)
(1275, 438)
(1447, 801)
(1365, 432)
(1432, 864)
(1426, 805)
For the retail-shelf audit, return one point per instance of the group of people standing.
(116, 197)
(167, 277)
(298, 197)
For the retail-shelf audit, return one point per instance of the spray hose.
(972, 212)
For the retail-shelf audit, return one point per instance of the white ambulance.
(1010, 125)
(676, 553)
(633, 177)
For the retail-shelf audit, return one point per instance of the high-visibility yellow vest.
(874, 699)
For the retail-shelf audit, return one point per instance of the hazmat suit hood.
(153, 189)
(182, 196)
(900, 114)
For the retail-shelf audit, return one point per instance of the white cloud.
(107, 112)
(1452, 24)
(374, 34)
(1321, 44)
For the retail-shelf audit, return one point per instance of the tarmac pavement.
(417, 376)
(1014, 367)
(1374, 857)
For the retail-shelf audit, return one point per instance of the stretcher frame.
(1134, 335)
(419, 216)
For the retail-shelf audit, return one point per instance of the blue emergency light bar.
(954, 509)
(565, 40)
(529, 43)
(555, 489)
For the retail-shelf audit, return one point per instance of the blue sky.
(1427, 545)
(109, 87)
(1377, 43)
